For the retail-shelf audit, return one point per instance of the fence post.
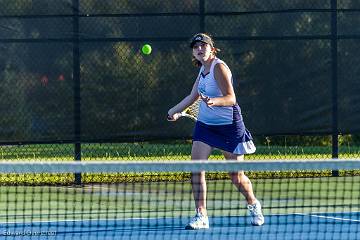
(202, 15)
(76, 79)
(334, 80)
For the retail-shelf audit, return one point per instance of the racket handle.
(169, 118)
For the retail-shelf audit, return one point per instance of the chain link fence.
(75, 85)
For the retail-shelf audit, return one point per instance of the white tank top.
(208, 86)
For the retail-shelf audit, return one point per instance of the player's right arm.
(186, 102)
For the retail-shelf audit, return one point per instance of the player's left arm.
(223, 78)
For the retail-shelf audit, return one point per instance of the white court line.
(327, 217)
(55, 221)
(83, 220)
(154, 218)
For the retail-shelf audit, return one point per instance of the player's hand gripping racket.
(190, 112)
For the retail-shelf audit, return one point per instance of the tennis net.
(153, 200)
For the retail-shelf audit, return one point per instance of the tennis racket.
(190, 112)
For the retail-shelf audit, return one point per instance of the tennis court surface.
(153, 200)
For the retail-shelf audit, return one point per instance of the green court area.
(168, 199)
(153, 152)
(156, 151)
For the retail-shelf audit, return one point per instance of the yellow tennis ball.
(146, 49)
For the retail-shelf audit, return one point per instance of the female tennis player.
(220, 125)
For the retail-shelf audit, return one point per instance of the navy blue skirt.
(233, 138)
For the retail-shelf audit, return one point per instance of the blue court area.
(294, 208)
(288, 226)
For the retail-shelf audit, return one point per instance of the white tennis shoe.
(257, 218)
(198, 222)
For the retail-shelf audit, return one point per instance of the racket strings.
(193, 109)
